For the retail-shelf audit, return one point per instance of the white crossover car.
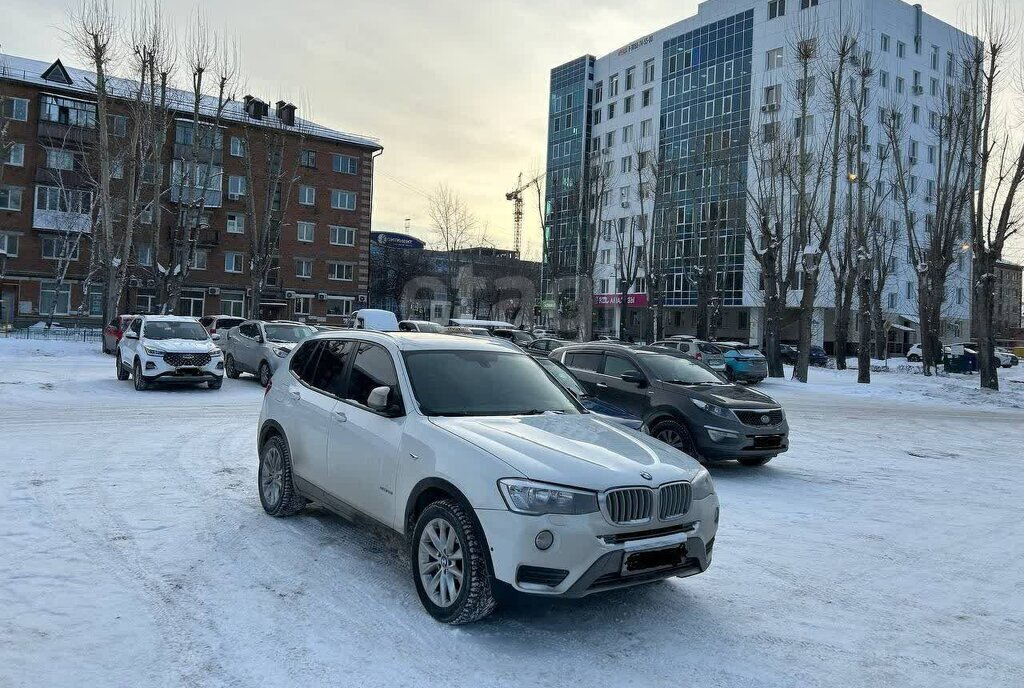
(168, 349)
(494, 472)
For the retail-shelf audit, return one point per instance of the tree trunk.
(864, 311)
(878, 327)
(985, 307)
(803, 354)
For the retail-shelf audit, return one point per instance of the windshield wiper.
(685, 382)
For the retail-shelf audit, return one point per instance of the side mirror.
(215, 337)
(259, 339)
(130, 335)
(634, 377)
(378, 399)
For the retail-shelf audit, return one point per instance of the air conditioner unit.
(134, 282)
(764, 108)
(929, 199)
(361, 298)
(772, 107)
(321, 296)
(151, 283)
(918, 90)
(213, 291)
(606, 151)
(625, 204)
(866, 148)
(248, 291)
(289, 295)
(233, 197)
(913, 160)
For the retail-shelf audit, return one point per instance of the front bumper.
(746, 441)
(588, 552)
(157, 370)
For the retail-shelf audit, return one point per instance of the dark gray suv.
(682, 402)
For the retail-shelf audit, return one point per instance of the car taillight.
(698, 356)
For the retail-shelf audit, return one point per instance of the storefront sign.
(395, 240)
(632, 300)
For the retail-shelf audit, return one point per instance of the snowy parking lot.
(884, 549)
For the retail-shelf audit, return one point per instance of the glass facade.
(568, 132)
(703, 146)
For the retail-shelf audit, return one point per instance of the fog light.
(544, 539)
(150, 365)
(720, 435)
(220, 365)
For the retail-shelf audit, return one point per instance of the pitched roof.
(56, 75)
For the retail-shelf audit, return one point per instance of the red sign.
(632, 300)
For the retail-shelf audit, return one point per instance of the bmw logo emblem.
(766, 419)
(646, 476)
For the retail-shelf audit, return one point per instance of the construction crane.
(516, 196)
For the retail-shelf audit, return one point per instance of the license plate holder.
(645, 561)
(187, 370)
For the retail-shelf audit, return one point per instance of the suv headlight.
(701, 486)
(281, 352)
(713, 409)
(527, 497)
(150, 351)
(215, 353)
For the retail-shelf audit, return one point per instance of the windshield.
(483, 383)
(521, 337)
(430, 327)
(287, 333)
(678, 369)
(564, 377)
(175, 329)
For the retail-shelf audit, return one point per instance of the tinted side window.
(249, 330)
(616, 365)
(709, 348)
(329, 374)
(406, 327)
(372, 368)
(303, 359)
(136, 326)
(584, 361)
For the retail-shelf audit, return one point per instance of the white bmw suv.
(159, 349)
(496, 475)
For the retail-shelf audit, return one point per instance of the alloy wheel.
(441, 563)
(264, 374)
(272, 476)
(674, 438)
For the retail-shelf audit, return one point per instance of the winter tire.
(449, 564)
(215, 384)
(752, 462)
(914, 358)
(140, 382)
(276, 488)
(264, 374)
(675, 435)
(122, 374)
(229, 367)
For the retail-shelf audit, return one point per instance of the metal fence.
(58, 334)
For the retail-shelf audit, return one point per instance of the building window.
(804, 126)
(200, 259)
(346, 164)
(236, 223)
(59, 248)
(649, 70)
(9, 245)
(910, 290)
(236, 187)
(773, 58)
(303, 268)
(118, 125)
(144, 254)
(58, 159)
(901, 49)
(339, 271)
(307, 195)
(598, 91)
(776, 8)
(301, 305)
(611, 110)
(10, 198)
(232, 303)
(627, 104)
(192, 182)
(645, 128)
(55, 199)
(15, 109)
(191, 303)
(237, 146)
(56, 297)
(613, 85)
(597, 117)
(233, 262)
(307, 158)
(339, 305)
(626, 165)
(804, 4)
(892, 301)
(305, 232)
(630, 78)
(343, 236)
(627, 134)
(772, 94)
(884, 43)
(144, 303)
(343, 200)
(75, 113)
(883, 79)
(899, 84)
(15, 155)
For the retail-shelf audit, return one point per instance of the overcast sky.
(456, 91)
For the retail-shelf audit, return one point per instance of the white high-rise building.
(704, 84)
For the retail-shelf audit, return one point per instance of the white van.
(375, 319)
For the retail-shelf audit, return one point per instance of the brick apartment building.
(321, 273)
(1006, 317)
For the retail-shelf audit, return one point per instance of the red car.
(113, 331)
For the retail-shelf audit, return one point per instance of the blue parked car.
(594, 405)
(743, 362)
(789, 354)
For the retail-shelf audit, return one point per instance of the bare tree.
(454, 227)
(595, 194)
(996, 161)
(884, 240)
(657, 237)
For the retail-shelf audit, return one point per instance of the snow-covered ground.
(883, 550)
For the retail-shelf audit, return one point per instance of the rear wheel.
(755, 462)
(265, 373)
(449, 565)
(215, 384)
(676, 435)
(122, 374)
(229, 367)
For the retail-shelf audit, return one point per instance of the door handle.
(601, 385)
(340, 416)
(295, 394)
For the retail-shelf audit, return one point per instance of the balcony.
(205, 237)
(204, 154)
(66, 133)
(60, 221)
(65, 179)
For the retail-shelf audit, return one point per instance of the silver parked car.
(258, 347)
(705, 352)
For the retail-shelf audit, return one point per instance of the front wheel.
(122, 374)
(215, 384)
(265, 374)
(140, 382)
(752, 462)
(914, 358)
(449, 565)
(675, 435)
(229, 367)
